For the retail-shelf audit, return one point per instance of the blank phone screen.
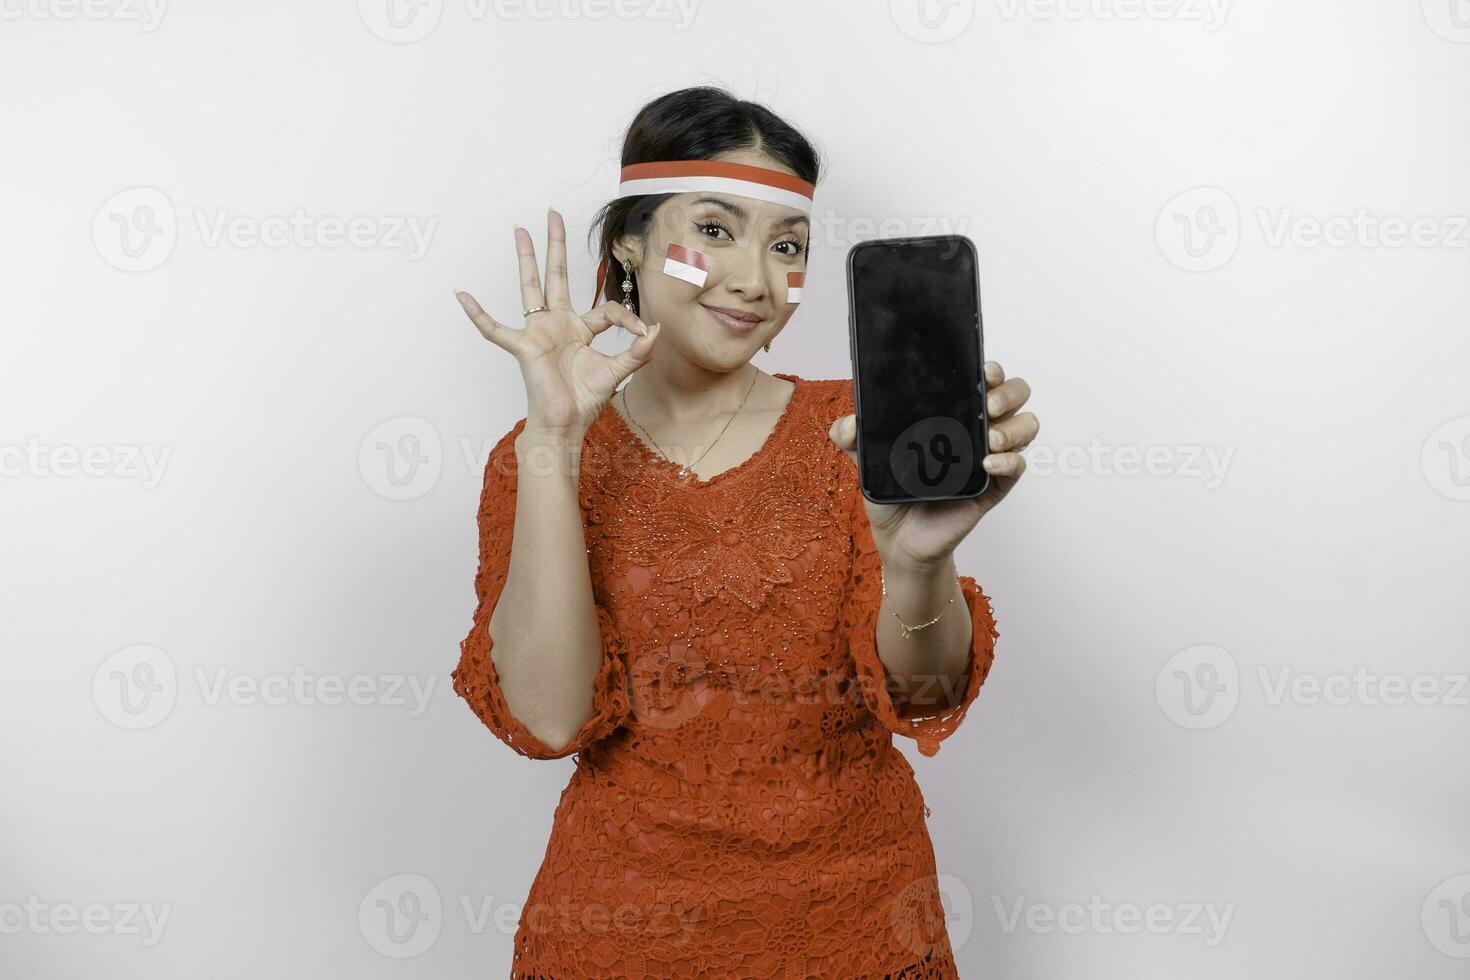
(914, 307)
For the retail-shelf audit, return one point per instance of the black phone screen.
(917, 356)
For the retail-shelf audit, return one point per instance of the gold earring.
(628, 288)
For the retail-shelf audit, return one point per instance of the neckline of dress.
(655, 460)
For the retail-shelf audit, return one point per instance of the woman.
(703, 628)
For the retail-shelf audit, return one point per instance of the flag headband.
(685, 176)
(692, 176)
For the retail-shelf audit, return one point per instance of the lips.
(736, 321)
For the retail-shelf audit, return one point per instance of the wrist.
(542, 452)
(918, 569)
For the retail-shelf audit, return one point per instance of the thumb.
(637, 354)
(843, 433)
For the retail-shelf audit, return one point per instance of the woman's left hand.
(926, 533)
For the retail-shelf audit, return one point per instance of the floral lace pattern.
(738, 807)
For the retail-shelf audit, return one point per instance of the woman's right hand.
(567, 382)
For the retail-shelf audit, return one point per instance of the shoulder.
(832, 397)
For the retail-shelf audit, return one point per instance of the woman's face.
(751, 245)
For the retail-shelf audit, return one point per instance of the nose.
(746, 273)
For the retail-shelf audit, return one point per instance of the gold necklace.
(684, 470)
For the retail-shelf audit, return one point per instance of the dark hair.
(697, 123)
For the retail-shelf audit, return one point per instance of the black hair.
(696, 123)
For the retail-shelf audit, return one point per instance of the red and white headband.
(693, 176)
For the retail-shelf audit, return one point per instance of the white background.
(1075, 145)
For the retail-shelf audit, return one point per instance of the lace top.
(738, 807)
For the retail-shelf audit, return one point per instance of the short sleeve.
(475, 678)
(928, 724)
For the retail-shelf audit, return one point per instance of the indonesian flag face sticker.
(688, 264)
(793, 286)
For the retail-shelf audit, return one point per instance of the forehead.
(736, 206)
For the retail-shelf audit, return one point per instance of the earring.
(628, 289)
(768, 347)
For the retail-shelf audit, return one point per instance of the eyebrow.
(742, 214)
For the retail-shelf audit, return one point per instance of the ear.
(628, 249)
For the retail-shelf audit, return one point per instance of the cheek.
(686, 263)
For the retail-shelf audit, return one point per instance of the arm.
(928, 669)
(543, 665)
(915, 692)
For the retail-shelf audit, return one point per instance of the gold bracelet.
(906, 629)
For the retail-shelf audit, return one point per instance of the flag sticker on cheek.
(688, 264)
(793, 286)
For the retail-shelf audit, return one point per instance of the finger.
(843, 431)
(599, 318)
(639, 353)
(1014, 432)
(493, 330)
(1006, 397)
(530, 278)
(1005, 464)
(994, 373)
(558, 295)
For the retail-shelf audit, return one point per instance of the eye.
(705, 225)
(796, 247)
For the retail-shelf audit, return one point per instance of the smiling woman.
(683, 586)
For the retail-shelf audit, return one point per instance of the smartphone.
(917, 368)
